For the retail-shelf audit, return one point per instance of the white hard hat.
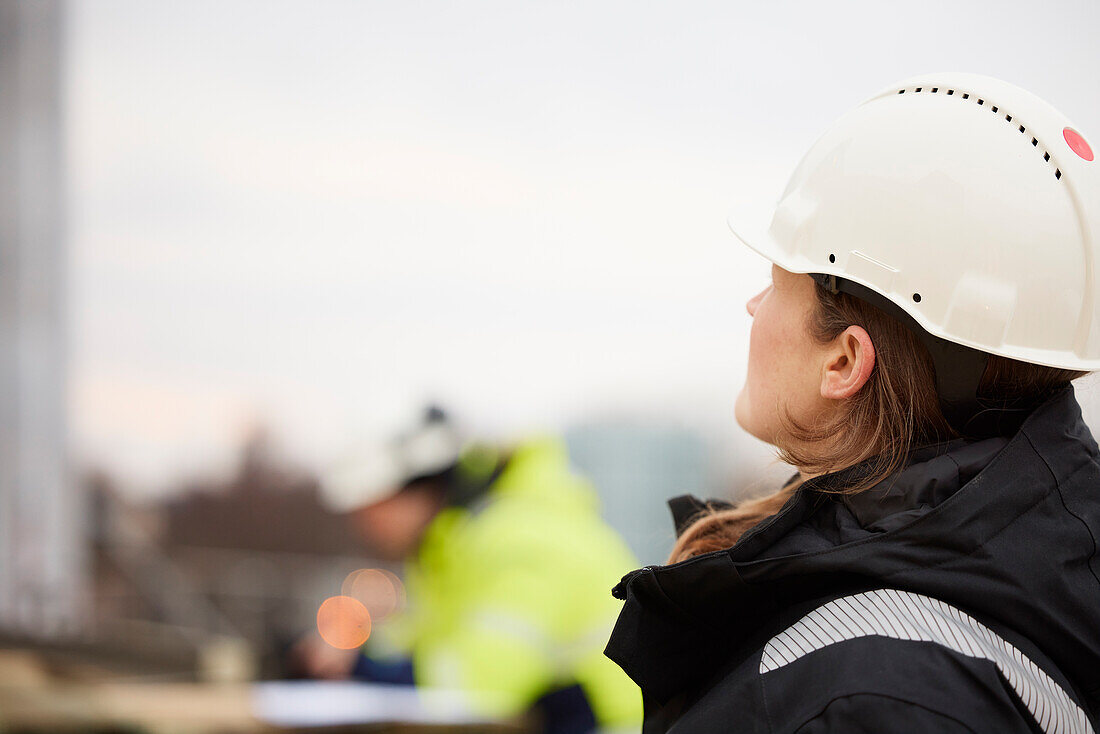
(967, 202)
(375, 470)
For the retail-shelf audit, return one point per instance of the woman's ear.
(848, 364)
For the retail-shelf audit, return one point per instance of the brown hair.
(895, 412)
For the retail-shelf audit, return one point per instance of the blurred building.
(636, 467)
(42, 560)
(248, 557)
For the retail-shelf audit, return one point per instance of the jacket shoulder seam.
(1062, 499)
(884, 696)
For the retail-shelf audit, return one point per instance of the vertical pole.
(42, 535)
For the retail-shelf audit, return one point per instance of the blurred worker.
(509, 567)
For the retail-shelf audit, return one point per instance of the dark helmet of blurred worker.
(934, 290)
(392, 488)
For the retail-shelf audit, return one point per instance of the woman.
(933, 565)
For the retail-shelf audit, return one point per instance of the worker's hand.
(315, 658)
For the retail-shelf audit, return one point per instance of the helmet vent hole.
(1047, 157)
(916, 297)
(832, 258)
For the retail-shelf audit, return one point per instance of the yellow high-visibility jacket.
(510, 597)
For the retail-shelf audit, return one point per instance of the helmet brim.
(756, 235)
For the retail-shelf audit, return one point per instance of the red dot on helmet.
(1077, 143)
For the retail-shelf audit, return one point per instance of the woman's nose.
(754, 302)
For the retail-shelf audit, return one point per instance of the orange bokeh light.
(398, 588)
(380, 591)
(343, 622)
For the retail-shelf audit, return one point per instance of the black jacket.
(991, 621)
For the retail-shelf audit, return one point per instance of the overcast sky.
(315, 215)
